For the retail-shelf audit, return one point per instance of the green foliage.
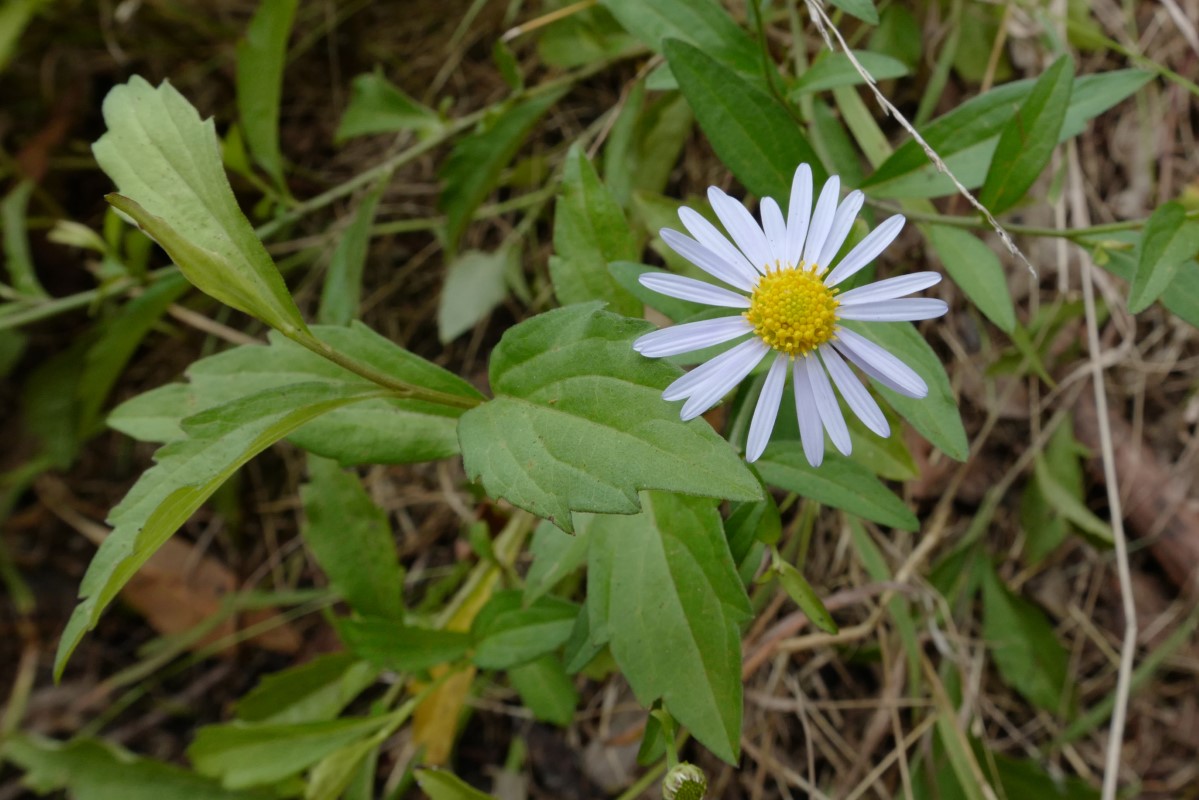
(702, 23)
(312, 692)
(1169, 240)
(18, 261)
(508, 633)
(341, 294)
(556, 554)
(862, 9)
(379, 106)
(392, 645)
(975, 268)
(578, 423)
(546, 689)
(442, 785)
(798, 589)
(261, 57)
(672, 557)
(835, 69)
(474, 285)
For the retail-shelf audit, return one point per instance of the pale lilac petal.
(776, 232)
(735, 273)
(890, 288)
(856, 395)
(822, 220)
(691, 336)
(811, 432)
(742, 226)
(707, 235)
(867, 250)
(847, 212)
(826, 404)
(906, 309)
(688, 384)
(690, 289)
(799, 211)
(767, 409)
(880, 364)
(721, 383)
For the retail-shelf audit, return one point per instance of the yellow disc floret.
(793, 311)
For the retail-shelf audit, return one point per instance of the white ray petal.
(707, 235)
(856, 395)
(688, 384)
(776, 232)
(734, 273)
(742, 226)
(880, 364)
(822, 220)
(691, 336)
(847, 212)
(721, 383)
(867, 250)
(890, 288)
(826, 404)
(690, 289)
(811, 432)
(767, 409)
(904, 309)
(799, 212)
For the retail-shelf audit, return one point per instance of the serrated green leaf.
(976, 269)
(967, 136)
(167, 164)
(91, 769)
(838, 482)
(862, 9)
(1025, 649)
(473, 168)
(751, 132)
(556, 554)
(186, 474)
(508, 634)
(546, 690)
(702, 23)
(317, 690)
(261, 57)
(589, 231)
(835, 69)
(1027, 140)
(342, 292)
(798, 589)
(936, 417)
(352, 541)
(578, 423)
(403, 648)
(474, 285)
(442, 785)
(379, 106)
(672, 558)
(245, 754)
(1168, 241)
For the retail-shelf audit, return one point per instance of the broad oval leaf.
(167, 164)
(751, 132)
(1168, 241)
(379, 106)
(474, 285)
(676, 602)
(579, 424)
(977, 270)
(838, 482)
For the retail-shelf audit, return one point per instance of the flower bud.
(684, 782)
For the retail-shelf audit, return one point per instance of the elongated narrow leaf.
(672, 558)
(219, 441)
(91, 769)
(578, 423)
(556, 554)
(474, 166)
(835, 69)
(862, 9)
(1071, 507)
(751, 132)
(703, 23)
(167, 164)
(1181, 296)
(244, 754)
(261, 57)
(404, 648)
(508, 634)
(352, 541)
(18, 261)
(936, 417)
(442, 785)
(342, 291)
(317, 690)
(379, 106)
(798, 589)
(1168, 241)
(589, 231)
(976, 269)
(838, 482)
(1027, 140)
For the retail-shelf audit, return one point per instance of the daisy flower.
(792, 312)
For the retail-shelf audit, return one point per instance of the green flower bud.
(685, 782)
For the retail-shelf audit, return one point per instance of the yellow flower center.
(792, 310)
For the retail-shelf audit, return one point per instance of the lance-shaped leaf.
(167, 164)
(1168, 241)
(579, 424)
(188, 471)
(261, 57)
(674, 590)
